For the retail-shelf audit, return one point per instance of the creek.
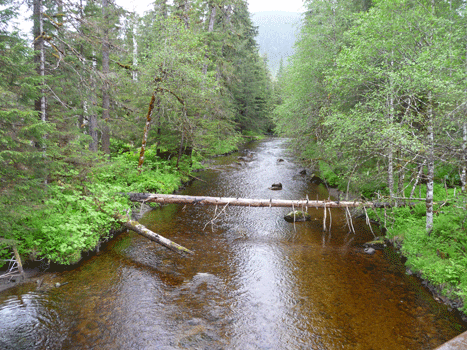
(255, 281)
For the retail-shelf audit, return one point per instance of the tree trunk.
(244, 202)
(417, 179)
(105, 87)
(180, 150)
(142, 230)
(430, 166)
(464, 139)
(39, 58)
(464, 155)
(391, 172)
(210, 30)
(146, 131)
(391, 143)
(94, 143)
(135, 53)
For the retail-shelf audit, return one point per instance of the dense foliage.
(105, 101)
(375, 97)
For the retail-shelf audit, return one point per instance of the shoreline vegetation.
(438, 258)
(80, 212)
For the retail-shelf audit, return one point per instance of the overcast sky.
(143, 5)
(275, 5)
(254, 5)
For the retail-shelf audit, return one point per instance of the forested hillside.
(105, 101)
(277, 32)
(375, 96)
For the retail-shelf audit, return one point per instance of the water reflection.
(256, 281)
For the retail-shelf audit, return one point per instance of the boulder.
(297, 216)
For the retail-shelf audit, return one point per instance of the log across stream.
(254, 282)
(250, 202)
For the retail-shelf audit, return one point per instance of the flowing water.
(255, 282)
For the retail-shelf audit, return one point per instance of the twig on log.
(348, 217)
(367, 218)
(293, 211)
(324, 219)
(216, 216)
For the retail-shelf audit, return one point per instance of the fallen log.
(244, 202)
(144, 231)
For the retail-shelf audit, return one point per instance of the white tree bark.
(135, 52)
(93, 144)
(464, 143)
(391, 143)
(144, 231)
(40, 54)
(430, 160)
(464, 156)
(105, 86)
(245, 202)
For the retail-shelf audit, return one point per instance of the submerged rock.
(378, 243)
(276, 187)
(314, 179)
(297, 216)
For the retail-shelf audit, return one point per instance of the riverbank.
(439, 259)
(81, 213)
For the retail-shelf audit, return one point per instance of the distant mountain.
(277, 33)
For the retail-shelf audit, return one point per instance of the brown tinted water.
(255, 282)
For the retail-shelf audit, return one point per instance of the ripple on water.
(28, 321)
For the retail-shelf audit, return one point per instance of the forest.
(375, 96)
(98, 101)
(105, 101)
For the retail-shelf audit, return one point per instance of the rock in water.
(276, 187)
(297, 216)
(378, 243)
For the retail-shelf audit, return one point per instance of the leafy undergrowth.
(73, 213)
